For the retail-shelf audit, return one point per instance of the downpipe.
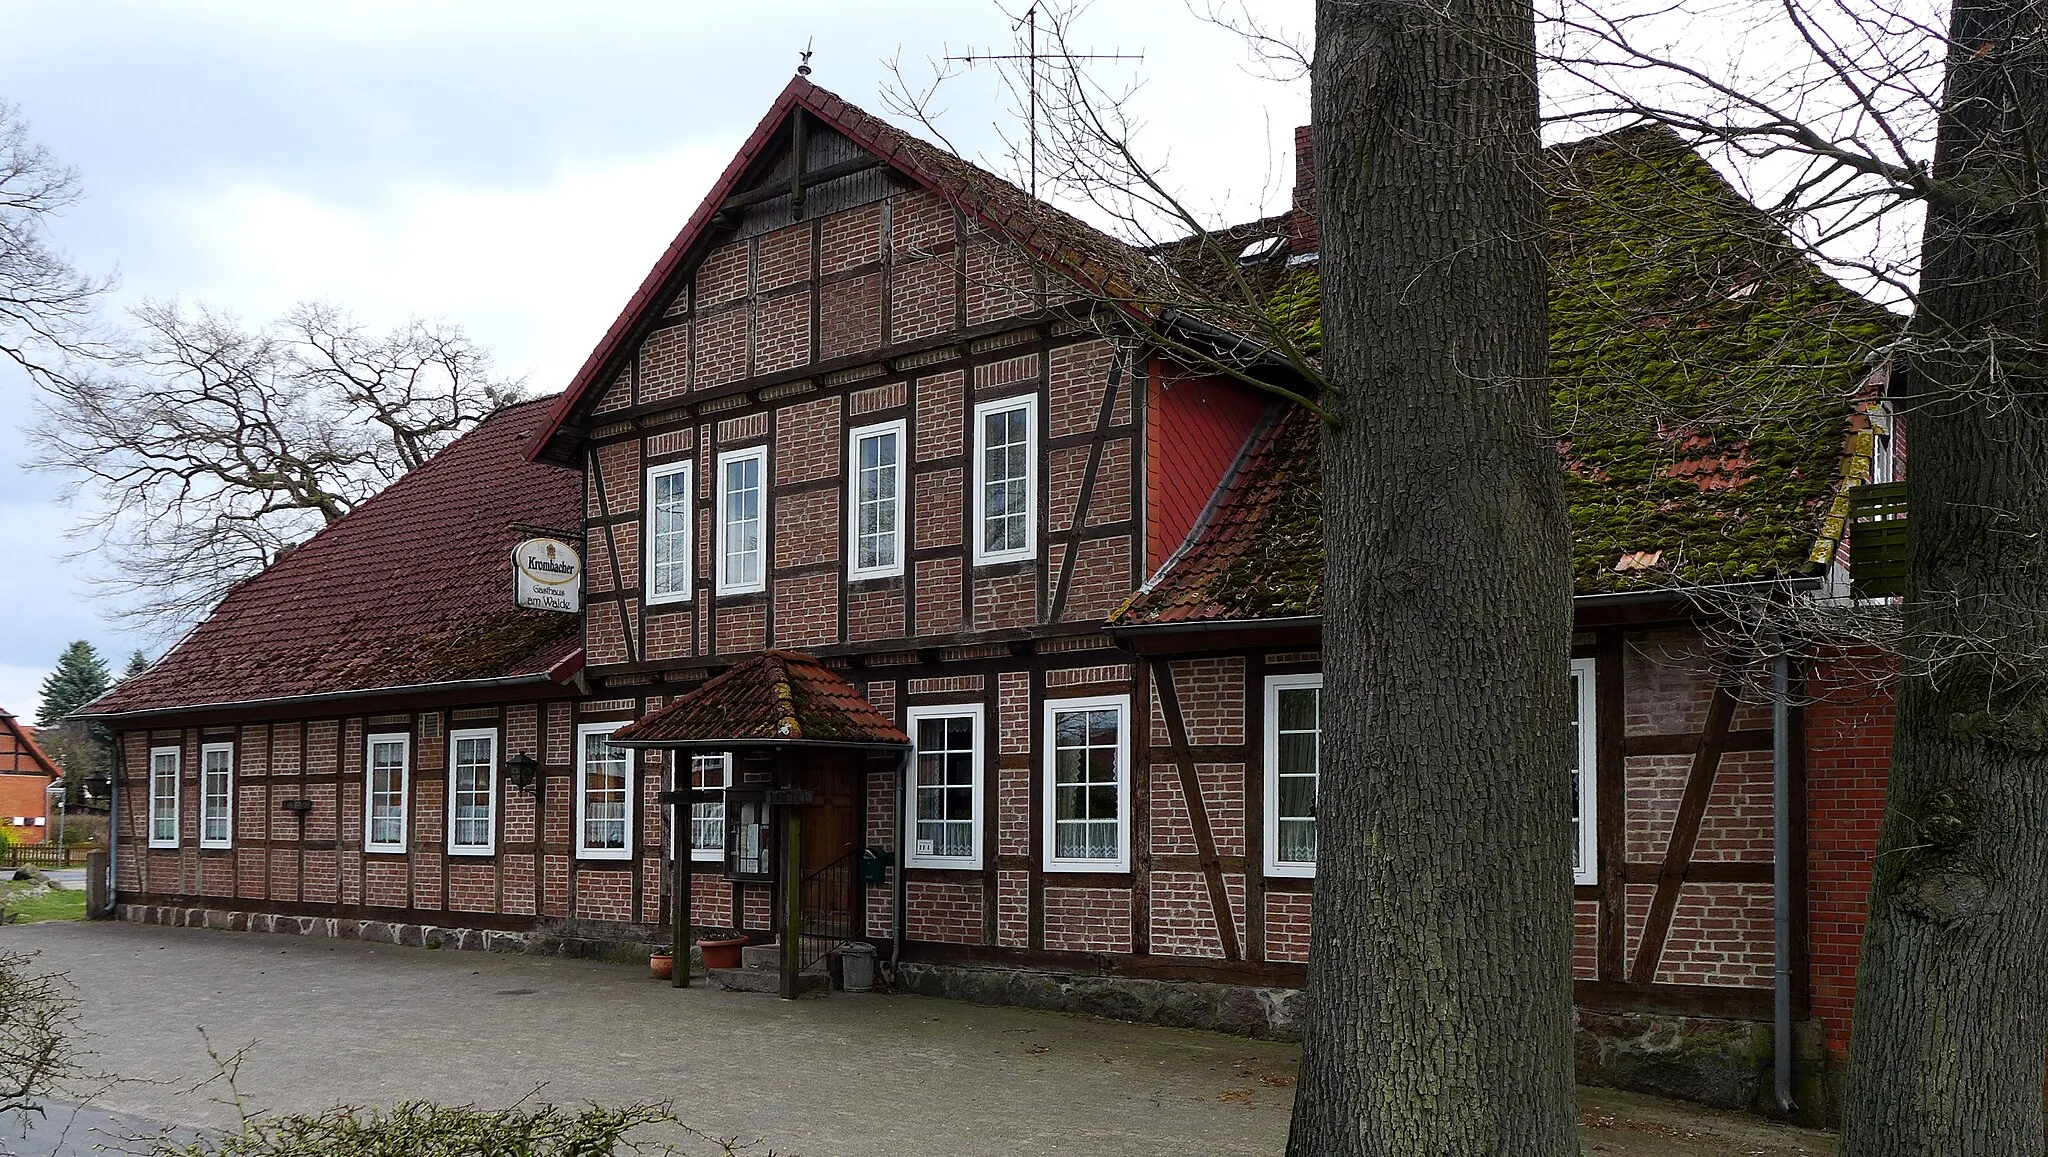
(1781, 881)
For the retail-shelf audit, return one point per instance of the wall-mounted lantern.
(521, 770)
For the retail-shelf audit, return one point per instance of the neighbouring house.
(949, 615)
(26, 774)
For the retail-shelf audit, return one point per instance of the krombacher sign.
(548, 575)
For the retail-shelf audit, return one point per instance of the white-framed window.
(1088, 784)
(945, 798)
(1294, 736)
(742, 521)
(163, 797)
(668, 533)
(707, 817)
(1585, 828)
(1006, 480)
(217, 795)
(874, 502)
(473, 791)
(1884, 446)
(389, 767)
(604, 794)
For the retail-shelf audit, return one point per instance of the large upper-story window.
(1294, 733)
(1585, 831)
(604, 795)
(1087, 785)
(390, 772)
(217, 795)
(472, 792)
(668, 533)
(742, 538)
(163, 797)
(874, 508)
(1005, 479)
(946, 796)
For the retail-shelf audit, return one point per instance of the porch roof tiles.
(780, 697)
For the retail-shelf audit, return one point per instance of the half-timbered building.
(26, 773)
(927, 603)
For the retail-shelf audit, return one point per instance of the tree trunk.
(1946, 1052)
(1439, 982)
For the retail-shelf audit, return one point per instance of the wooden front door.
(832, 834)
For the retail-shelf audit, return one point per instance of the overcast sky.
(513, 167)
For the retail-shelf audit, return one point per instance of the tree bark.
(1946, 1050)
(1439, 982)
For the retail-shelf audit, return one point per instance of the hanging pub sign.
(547, 575)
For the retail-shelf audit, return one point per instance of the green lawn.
(51, 905)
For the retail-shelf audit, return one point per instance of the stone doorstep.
(765, 980)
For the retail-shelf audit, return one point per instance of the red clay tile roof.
(1257, 552)
(1096, 260)
(412, 587)
(779, 697)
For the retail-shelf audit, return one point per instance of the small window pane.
(1297, 771)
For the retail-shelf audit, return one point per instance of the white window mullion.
(1087, 784)
(1585, 828)
(945, 797)
(1294, 710)
(163, 797)
(472, 792)
(668, 533)
(707, 817)
(874, 501)
(604, 795)
(216, 795)
(742, 521)
(1006, 480)
(387, 778)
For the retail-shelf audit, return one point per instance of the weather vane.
(1029, 21)
(803, 67)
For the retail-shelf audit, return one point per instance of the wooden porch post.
(678, 857)
(792, 898)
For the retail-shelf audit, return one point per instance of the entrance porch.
(778, 752)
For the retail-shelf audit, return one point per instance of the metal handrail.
(831, 904)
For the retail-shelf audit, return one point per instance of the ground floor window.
(216, 795)
(604, 794)
(1294, 731)
(1087, 784)
(945, 793)
(1585, 832)
(472, 792)
(390, 764)
(707, 817)
(163, 797)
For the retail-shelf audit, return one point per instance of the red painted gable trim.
(833, 111)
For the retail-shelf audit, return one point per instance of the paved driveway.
(342, 1022)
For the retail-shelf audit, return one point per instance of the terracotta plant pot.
(722, 953)
(661, 966)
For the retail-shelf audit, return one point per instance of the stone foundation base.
(581, 939)
(1271, 1013)
(332, 928)
(1709, 1061)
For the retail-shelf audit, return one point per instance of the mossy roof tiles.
(1703, 376)
(777, 697)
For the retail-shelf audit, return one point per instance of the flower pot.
(722, 953)
(661, 966)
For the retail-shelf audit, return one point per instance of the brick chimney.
(1301, 232)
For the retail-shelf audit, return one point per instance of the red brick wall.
(1087, 919)
(947, 913)
(1848, 752)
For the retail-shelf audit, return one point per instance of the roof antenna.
(803, 67)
